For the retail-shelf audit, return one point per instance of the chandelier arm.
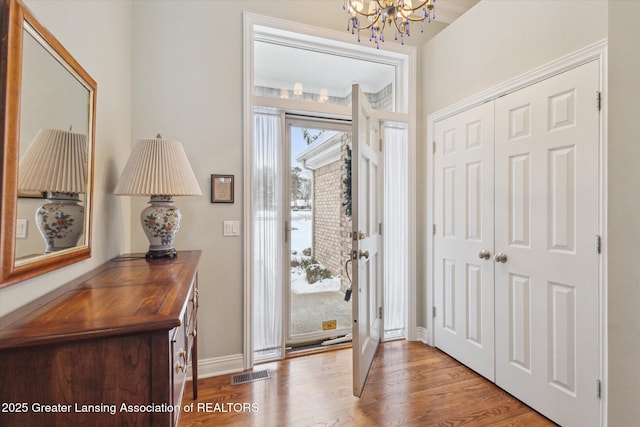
(362, 13)
(380, 7)
(368, 15)
(410, 11)
(404, 31)
(371, 24)
(413, 9)
(363, 28)
(380, 32)
(414, 19)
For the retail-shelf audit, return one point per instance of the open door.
(366, 173)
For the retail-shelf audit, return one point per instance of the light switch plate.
(231, 228)
(21, 228)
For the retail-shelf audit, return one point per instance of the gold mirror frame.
(14, 16)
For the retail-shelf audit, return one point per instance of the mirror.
(48, 118)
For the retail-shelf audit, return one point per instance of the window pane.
(396, 243)
(303, 74)
(267, 240)
(320, 234)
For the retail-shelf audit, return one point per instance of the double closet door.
(516, 263)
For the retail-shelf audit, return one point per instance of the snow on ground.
(299, 284)
(301, 231)
(301, 238)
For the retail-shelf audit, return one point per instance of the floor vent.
(249, 377)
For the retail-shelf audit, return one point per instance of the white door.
(463, 267)
(546, 219)
(366, 170)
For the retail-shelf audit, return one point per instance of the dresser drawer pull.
(181, 366)
(193, 333)
(194, 299)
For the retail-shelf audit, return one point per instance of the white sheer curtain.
(396, 265)
(267, 236)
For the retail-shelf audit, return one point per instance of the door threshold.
(340, 340)
(314, 349)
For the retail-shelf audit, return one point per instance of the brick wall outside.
(382, 100)
(327, 204)
(331, 227)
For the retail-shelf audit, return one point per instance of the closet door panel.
(464, 232)
(546, 220)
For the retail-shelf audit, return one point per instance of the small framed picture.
(221, 188)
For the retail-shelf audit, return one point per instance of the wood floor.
(410, 384)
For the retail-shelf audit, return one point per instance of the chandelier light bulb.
(355, 6)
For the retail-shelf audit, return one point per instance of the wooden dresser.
(110, 348)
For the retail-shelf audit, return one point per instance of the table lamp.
(159, 168)
(55, 163)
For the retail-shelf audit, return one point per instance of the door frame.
(405, 59)
(594, 52)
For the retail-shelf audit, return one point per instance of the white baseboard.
(219, 366)
(422, 334)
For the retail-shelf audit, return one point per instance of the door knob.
(484, 254)
(500, 257)
(364, 254)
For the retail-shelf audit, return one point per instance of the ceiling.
(279, 66)
(449, 10)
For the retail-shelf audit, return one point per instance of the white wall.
(500, 39)
(98, 35)
(624, 211)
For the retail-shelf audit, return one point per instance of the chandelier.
(380, 13)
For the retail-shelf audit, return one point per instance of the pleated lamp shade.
(55, 161)
(158, 167)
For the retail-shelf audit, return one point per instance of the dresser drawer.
(191, 320)
(192, 307)
(178, 366)
(182, 342)
(180, 360)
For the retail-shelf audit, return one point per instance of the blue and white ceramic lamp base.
(160, 222)
(60, 221)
